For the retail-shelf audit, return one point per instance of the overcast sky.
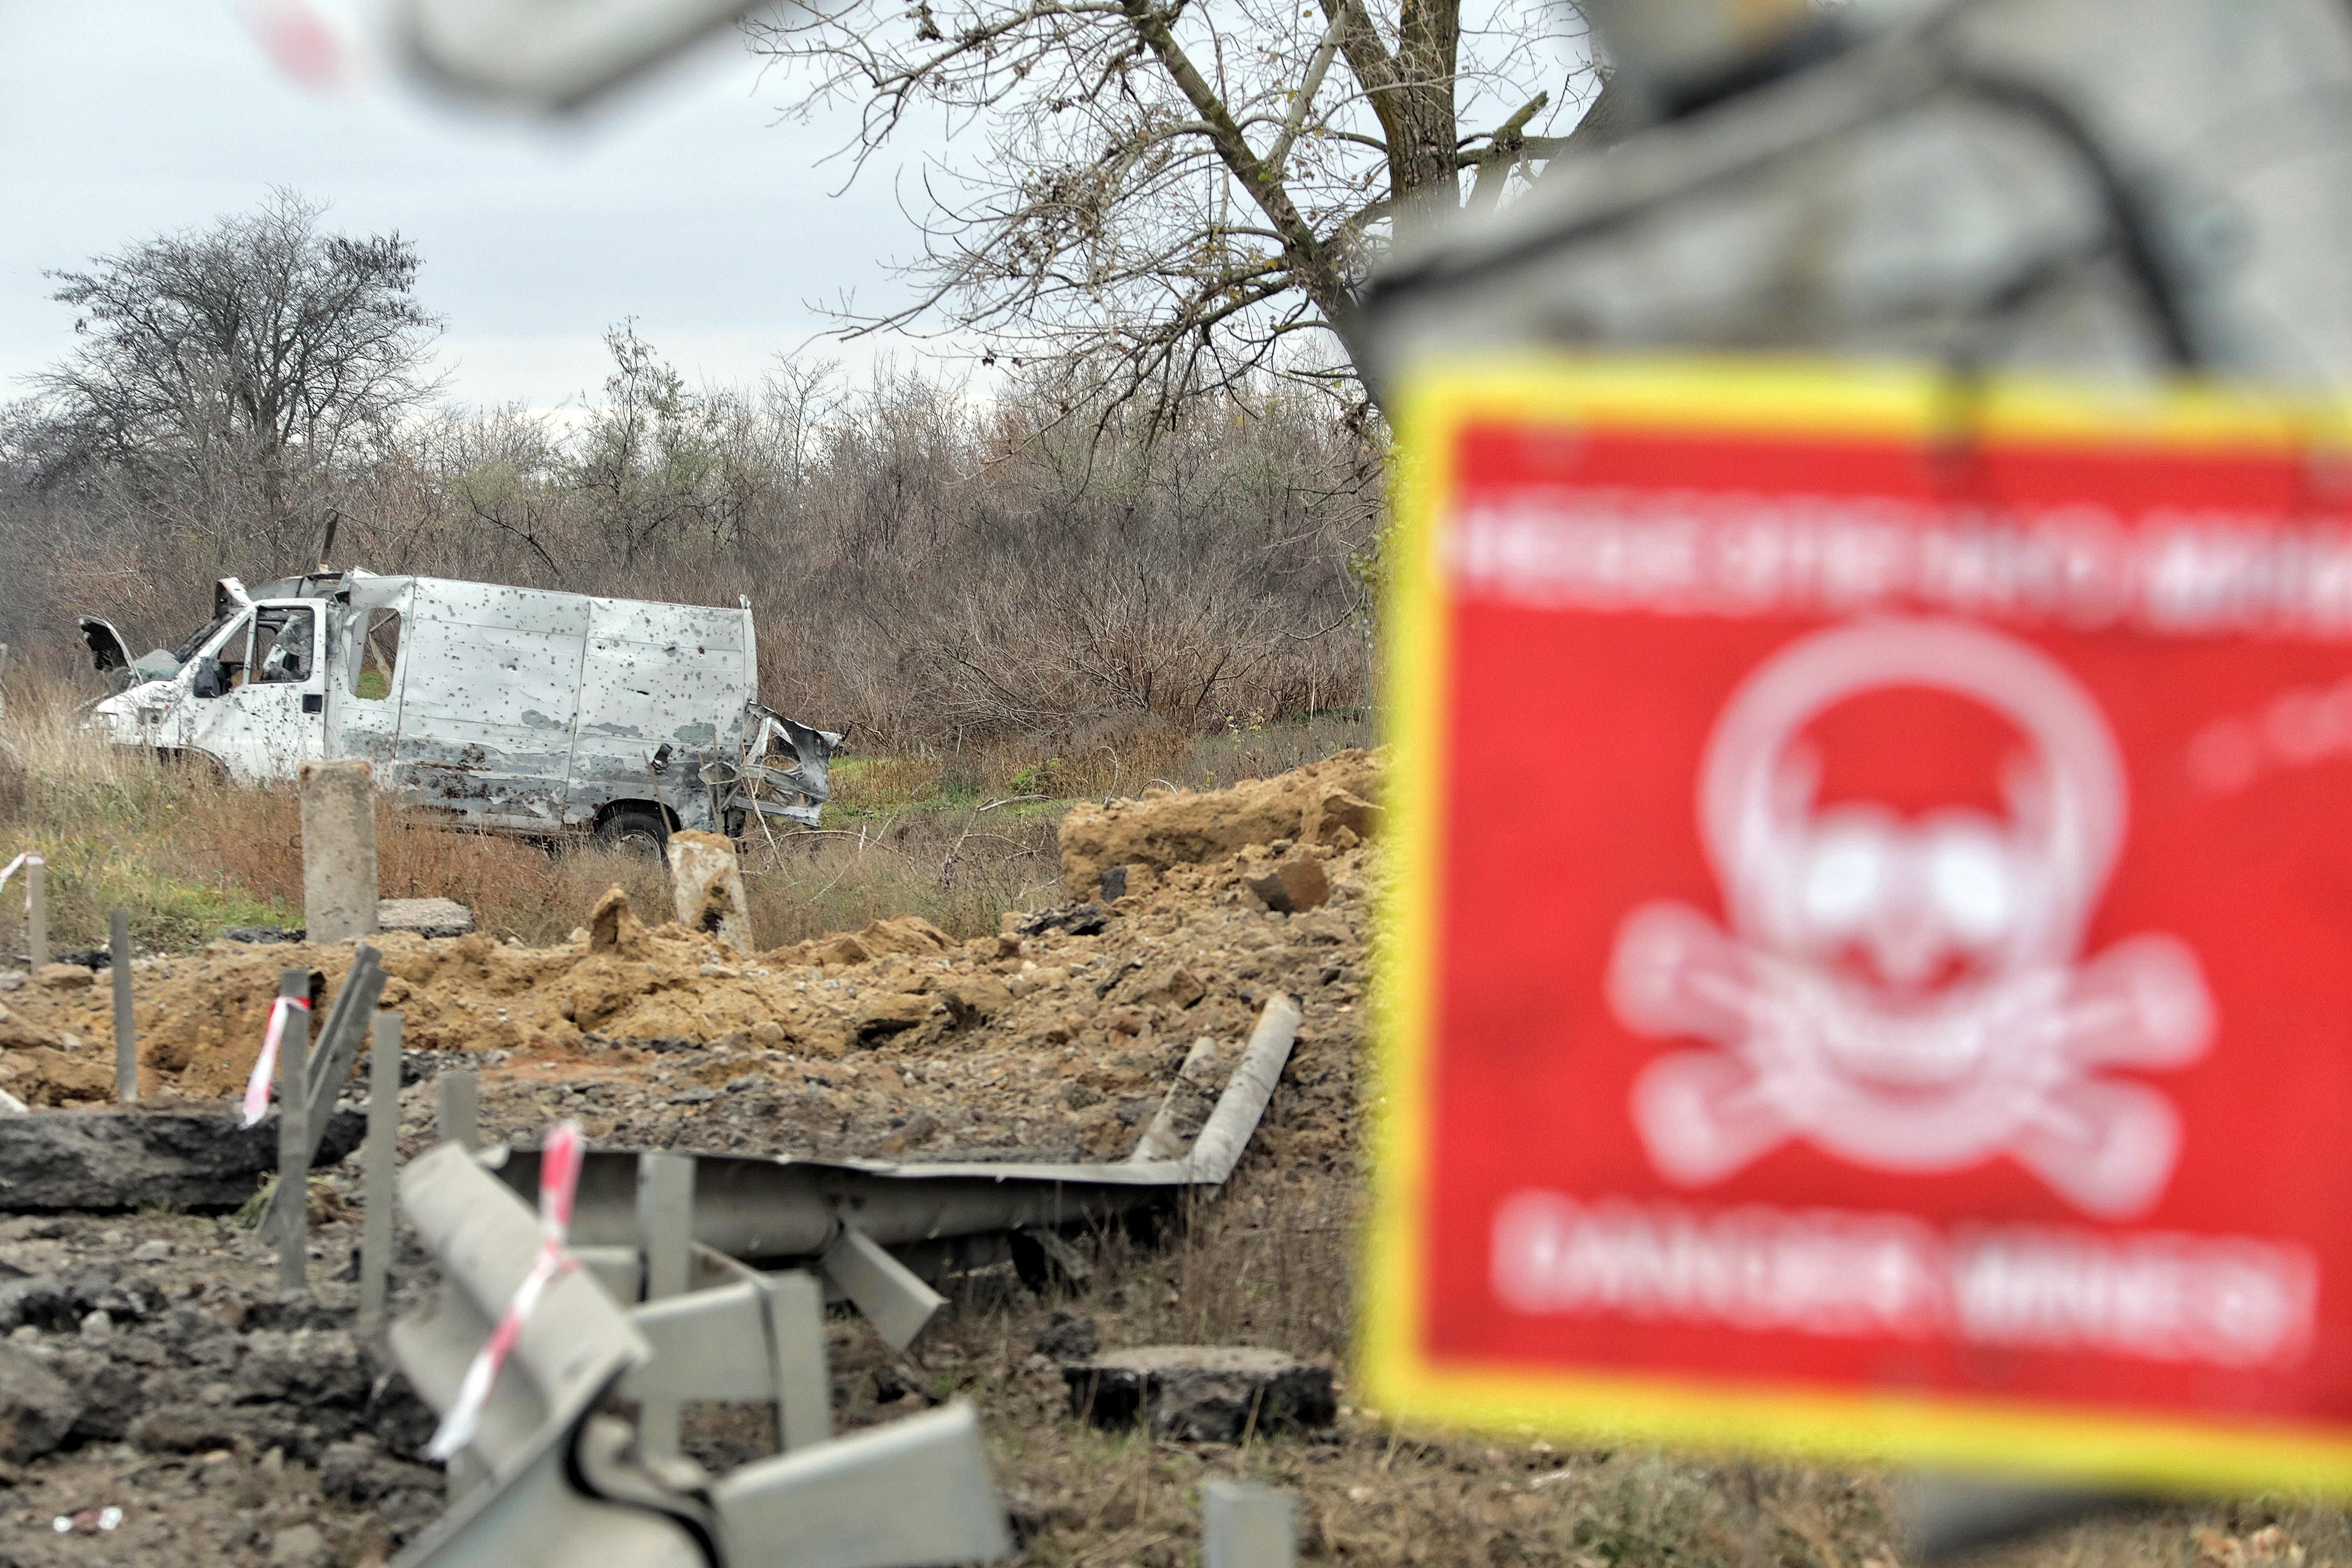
(687, 205)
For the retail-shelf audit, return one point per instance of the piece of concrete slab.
(1201, 1393)
(425, 916)
(109, 1157)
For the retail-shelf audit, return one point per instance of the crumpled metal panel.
(488, 698)
(662, 691)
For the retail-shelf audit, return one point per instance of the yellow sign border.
(1760, 396)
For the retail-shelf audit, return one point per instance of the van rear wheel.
(639, 830)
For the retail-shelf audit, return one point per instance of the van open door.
(107, 649)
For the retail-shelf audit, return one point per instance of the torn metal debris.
(521, 709)
(549, 1475)
(933, 1219)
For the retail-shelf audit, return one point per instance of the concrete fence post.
(293, 1143)
(339, 867)
(126, 1032)
(382, 1153)
(457, 1106)
(36, 910)
(1245, 1524)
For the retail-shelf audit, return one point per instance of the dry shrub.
(933, 572)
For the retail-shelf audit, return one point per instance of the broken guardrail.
(874, 1229)
(551, 1477)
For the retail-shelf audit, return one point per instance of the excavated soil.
(1054, 1040)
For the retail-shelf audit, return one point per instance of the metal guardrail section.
(525, 1512)
(785, 1211)
(561, 1483)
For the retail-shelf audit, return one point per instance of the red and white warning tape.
(13, 866)
(559, 1180)
(265, 1066)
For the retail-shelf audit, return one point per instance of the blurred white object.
(548, 54)
(539, 54)
(2131, 189)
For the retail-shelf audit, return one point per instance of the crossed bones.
(2005, 1064)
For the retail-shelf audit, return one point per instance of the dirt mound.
(1055, 1038)
(1333, 802)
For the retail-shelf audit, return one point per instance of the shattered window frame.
(285, 616)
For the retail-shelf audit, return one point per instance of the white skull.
(1969, 1032)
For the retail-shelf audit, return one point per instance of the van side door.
(271, 715)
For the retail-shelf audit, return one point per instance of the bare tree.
(237, 354)
(1177, 193)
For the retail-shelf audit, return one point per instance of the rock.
(46, 1077)
(124, 1298)
(151, 1252)
(1079, 920)
(1339, 819)
(65, 977)
(298, 1546)
(309, 1369)
(1069, 1336)
(1296, 885)
(425, 916)
(195, 1160)
(38, 1407)
(1166, 828)
(1201, 1393)
(19, 1034)
(97, 1327)
(890, 1012)
(184, 1429)
(971, 998)
(111, 1390)
(1168, 985)
(360, 1471)
(36, 1303)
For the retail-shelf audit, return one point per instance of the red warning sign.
(1872, 938)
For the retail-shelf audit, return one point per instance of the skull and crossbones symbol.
(1901, 993)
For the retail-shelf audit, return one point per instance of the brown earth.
(1041, 1041)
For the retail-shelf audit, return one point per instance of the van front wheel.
(640, 830)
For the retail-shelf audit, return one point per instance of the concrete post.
(126, 1033)
(665, 1232)
(457, 1104)
(383, 1152)
(706, 887)
(338, 869)
(293, 1143)
(1245, 1524)
(36, 910)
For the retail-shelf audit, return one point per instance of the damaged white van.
(519, 709)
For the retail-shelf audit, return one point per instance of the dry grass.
(956, 840)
